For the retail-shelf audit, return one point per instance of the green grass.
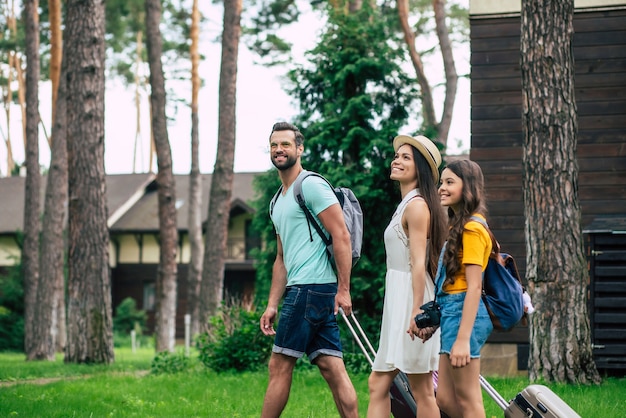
(109, 391)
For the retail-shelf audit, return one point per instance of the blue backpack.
(352, 215)
(502, 288)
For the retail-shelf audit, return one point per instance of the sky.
(261, 101)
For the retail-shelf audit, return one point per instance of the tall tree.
(9, 55)
(222, 179)
(56, 52)
(432, 126)
(560, 334)
(32, 206)
(353, 96)
(56, 190)
(165, 326)
(90, 327)
(50, 309)
(194, 274)
(50, 318)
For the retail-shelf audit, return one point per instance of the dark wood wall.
(129, 280)
(496, 122)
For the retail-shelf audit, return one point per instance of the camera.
(430, 317)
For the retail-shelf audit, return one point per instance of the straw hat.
(426, 147)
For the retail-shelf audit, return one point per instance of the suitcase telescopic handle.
(493, 393)
(361, 339)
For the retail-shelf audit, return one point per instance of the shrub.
(166, 362)
(128, 317)
(234, 341)
(12, 310)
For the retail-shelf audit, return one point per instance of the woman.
(412, 242)
(465, 322)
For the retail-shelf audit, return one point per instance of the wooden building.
(599, 48)
(134, 237)
(135, 246)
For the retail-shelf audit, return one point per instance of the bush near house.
(234, 340)
(12, 310)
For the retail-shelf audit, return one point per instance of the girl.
(465, 322)
(412, 242)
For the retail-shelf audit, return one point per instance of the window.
(149, 296)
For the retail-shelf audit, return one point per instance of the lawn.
(124, 389)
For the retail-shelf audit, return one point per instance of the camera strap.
(441, 271)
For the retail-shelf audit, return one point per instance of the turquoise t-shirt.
(306, 262)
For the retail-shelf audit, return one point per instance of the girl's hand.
(460, 354)
(426, 333)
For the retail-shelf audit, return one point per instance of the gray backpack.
(352, 215)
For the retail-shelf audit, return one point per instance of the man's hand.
(343, 301)
(267, 321)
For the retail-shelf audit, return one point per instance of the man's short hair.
(286, 126)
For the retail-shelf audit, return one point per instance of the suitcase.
(535, 401)
(402, 402)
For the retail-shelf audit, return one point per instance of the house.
(134, 230)
(599, 48)
(135, 255)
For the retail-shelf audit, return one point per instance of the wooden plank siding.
(496, 122)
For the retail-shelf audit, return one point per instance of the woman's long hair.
(437, 227)
(472, 202)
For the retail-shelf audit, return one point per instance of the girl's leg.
(424, 393)
(379, 384)
(469, 395)
(446, 396)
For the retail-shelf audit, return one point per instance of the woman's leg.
(380, 403)
(424, 394)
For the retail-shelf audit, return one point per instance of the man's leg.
(279, 385)
(334, 372)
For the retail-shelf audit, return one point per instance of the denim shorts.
(307, 322)
(451, 312)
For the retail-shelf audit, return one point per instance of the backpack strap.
(495, 243)
(310, 218)
(275, 198)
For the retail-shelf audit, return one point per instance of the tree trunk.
(56, 51)
(90, 327)
(165, 326)
(50, 324)
(194, 274)
(7, 94)
(32, 206)
(440, 128)
(443, 128)
(560, 335)
(56, 191)
(222, 179)
(138, 65)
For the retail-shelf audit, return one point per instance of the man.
(303, 272)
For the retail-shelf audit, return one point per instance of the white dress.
(396, 350)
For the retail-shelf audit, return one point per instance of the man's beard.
(285, 165)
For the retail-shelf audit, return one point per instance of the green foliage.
(12, 309)
(354, 98)
(261, 32)
(265, 186)
(122, 393)
(166, 362)
(125, 19)
(234, 341)
(128, 317)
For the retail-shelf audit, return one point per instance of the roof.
(131, 198)
(612, 224)
(144, 214)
